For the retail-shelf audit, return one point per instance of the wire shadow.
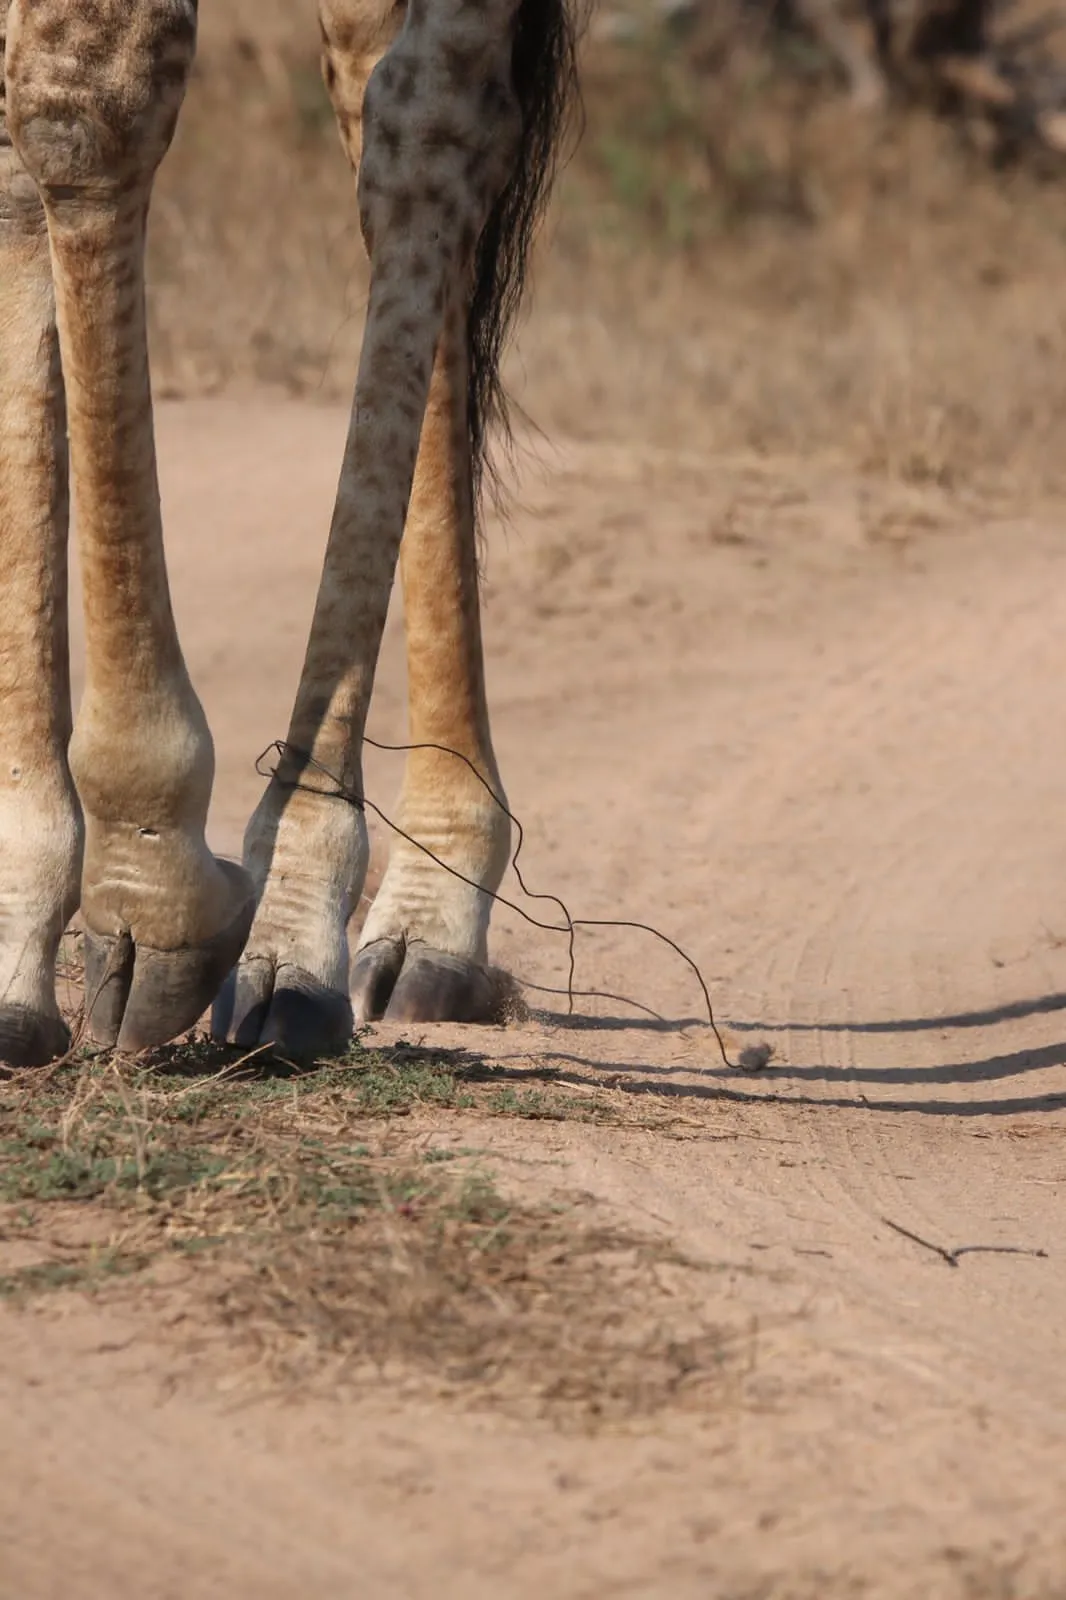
(1010, 1011)
(640, 1077)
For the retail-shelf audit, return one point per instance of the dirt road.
(811, 727)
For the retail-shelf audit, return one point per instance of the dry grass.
(750, 264)
(737, 262)
(296, 1216)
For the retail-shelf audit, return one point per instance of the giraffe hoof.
(283, 1006)
(137, 997)
(416, 983)
(31, 1038)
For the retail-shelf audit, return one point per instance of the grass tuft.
(296, 1214)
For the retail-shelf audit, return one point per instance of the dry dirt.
(806, 722)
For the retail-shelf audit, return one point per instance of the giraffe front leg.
(40, 826)
(94, 91)
(439, 131)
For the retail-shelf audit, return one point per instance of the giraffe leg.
(439, 126)
(40, 833)
(94, 91)
(423, 949)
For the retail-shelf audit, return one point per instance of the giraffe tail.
(544, 74)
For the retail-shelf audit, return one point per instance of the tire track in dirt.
(882, 893)
(918, 1166)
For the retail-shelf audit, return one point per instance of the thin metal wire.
(361, 802)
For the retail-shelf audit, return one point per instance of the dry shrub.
(819, 279)
(739, 260)
(256, 267)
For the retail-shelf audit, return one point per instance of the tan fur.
(94, 88)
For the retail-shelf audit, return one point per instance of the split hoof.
(415, 983)
(283, 1006)
(137, 997)
(31, 1038)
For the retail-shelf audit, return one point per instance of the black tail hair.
(544, 76)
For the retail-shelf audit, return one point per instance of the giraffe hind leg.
(423, 951)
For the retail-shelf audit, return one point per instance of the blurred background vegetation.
(758, 246)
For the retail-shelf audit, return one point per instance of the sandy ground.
(810, 726)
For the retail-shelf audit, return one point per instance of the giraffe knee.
(94, 90)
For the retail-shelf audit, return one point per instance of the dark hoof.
(137, 997)
(29, 1038)
(285, 1007)
(373, 978)
(419, 984)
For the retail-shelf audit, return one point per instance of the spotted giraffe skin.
(112, 815)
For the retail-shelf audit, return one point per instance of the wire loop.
(307, 762)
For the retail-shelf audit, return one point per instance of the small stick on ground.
(952, 1256)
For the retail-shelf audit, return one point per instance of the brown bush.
(737, 261)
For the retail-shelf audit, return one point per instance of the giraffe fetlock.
(423, 949)
(164, 920)
(307, 854)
